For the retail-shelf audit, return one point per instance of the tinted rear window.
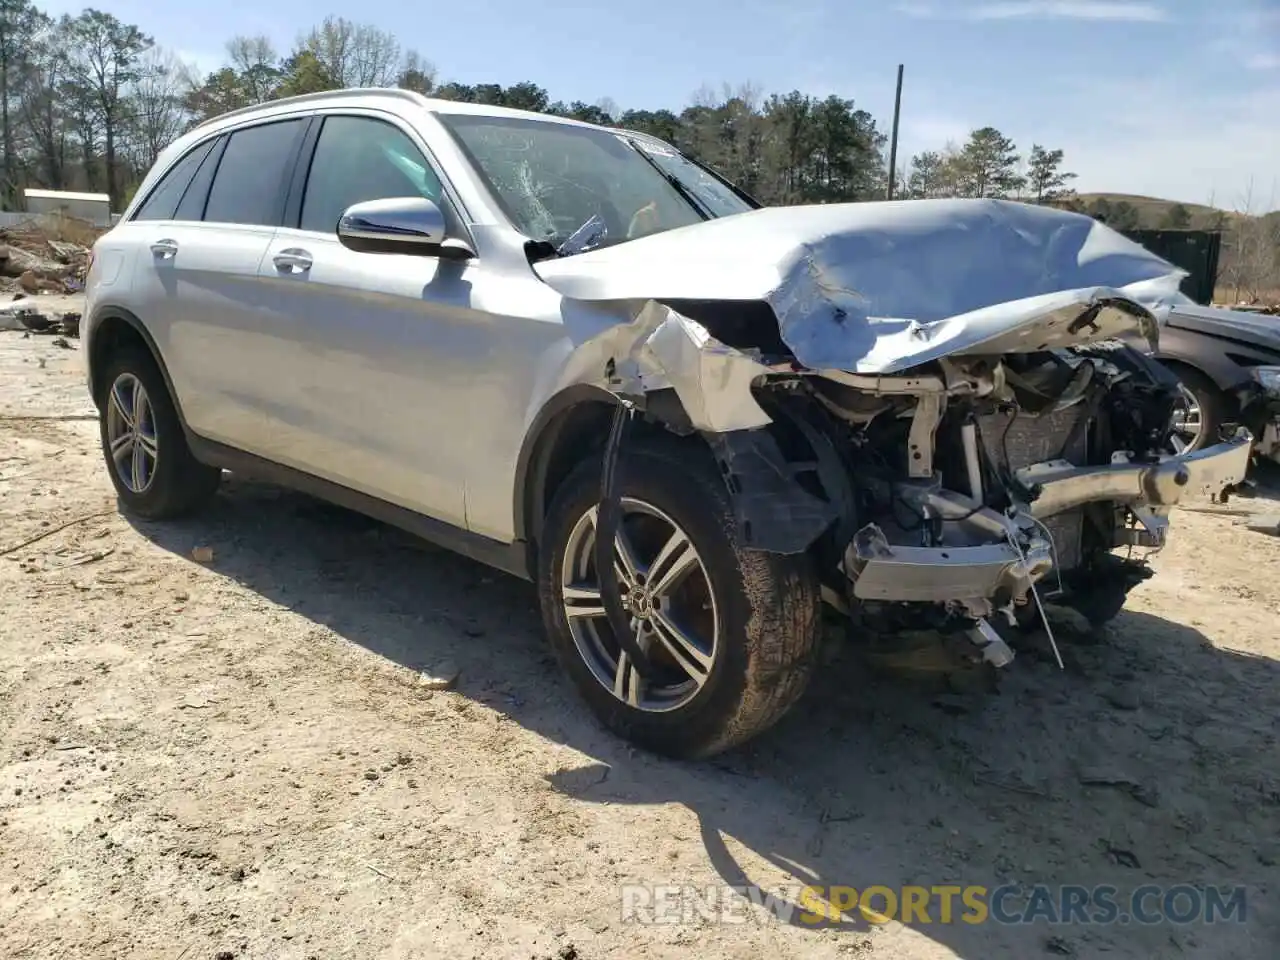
(249, 184)
(163, 200)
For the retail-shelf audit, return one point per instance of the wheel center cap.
(641, 603)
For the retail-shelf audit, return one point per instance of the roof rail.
(344, 93)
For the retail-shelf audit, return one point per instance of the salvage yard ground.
(237, 758)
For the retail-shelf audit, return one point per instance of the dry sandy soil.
(236, 759)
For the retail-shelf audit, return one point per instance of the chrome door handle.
(292, 260)
(165, 249)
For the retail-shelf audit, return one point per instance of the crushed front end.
(973, 488)
(950, 404)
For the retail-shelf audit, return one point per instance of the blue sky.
(1175, 98)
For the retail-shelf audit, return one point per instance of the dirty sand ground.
(235, 759)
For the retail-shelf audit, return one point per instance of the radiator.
(1034, 439)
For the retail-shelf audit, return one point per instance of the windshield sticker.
(653, 148)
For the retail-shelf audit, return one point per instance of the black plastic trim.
(509, 557)
(535, 453)
(108, 311)
(301, 169)
(211, 162)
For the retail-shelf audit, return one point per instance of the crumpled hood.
(879, 287)
(1257, 329)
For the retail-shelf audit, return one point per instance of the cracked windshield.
(579, 188)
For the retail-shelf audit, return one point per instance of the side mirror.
(410, 225)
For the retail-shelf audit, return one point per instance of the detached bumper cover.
(1062, 485)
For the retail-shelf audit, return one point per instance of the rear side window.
(249, 185)
(163, 201)
(358, 159)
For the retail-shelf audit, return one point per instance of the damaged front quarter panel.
(661, 349)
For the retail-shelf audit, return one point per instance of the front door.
(376, 386)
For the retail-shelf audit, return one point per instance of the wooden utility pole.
(893, 140)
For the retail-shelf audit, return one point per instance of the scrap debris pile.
(40, 256)
(23, 316)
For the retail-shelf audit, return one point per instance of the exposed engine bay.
(967, 486)
(972, 489)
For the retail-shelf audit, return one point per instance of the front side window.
(162, 202)
(573, 187)
(249, 185)
(358, 159)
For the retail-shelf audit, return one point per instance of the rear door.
(375, 393)
(202, 269)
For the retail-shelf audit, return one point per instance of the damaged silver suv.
(576, 355)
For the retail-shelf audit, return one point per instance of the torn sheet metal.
(712, 381)
(661, 349)
(880, 287)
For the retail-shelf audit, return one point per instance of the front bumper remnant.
(1061, 485)
(972, 573)
(887, 571)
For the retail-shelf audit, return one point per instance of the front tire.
(1200, 416)
(152, 468)
(731, 633)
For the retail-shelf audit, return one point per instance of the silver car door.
(379, 346)
(205, 271)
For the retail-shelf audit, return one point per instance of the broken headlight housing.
(1268, 378)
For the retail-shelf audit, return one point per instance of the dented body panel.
(881, 287)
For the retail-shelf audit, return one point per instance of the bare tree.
(41, 105)
(105, 56)
(416, 73)
(257, 66)
(156, 100)
(19, 23)
(354, 54)
(1252, 248)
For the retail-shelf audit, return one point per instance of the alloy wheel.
(131, 433)
(668, 598)
(1187, 421)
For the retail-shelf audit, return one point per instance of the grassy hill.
(1153, 212)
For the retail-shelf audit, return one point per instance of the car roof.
(379, 96)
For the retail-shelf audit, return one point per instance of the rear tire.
(152, 467)
(752, 616)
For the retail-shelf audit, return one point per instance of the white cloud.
(1071, 10)
(1263, 61)
(1107, 10)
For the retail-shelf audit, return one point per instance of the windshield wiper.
(590, 234)
(689, 197)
